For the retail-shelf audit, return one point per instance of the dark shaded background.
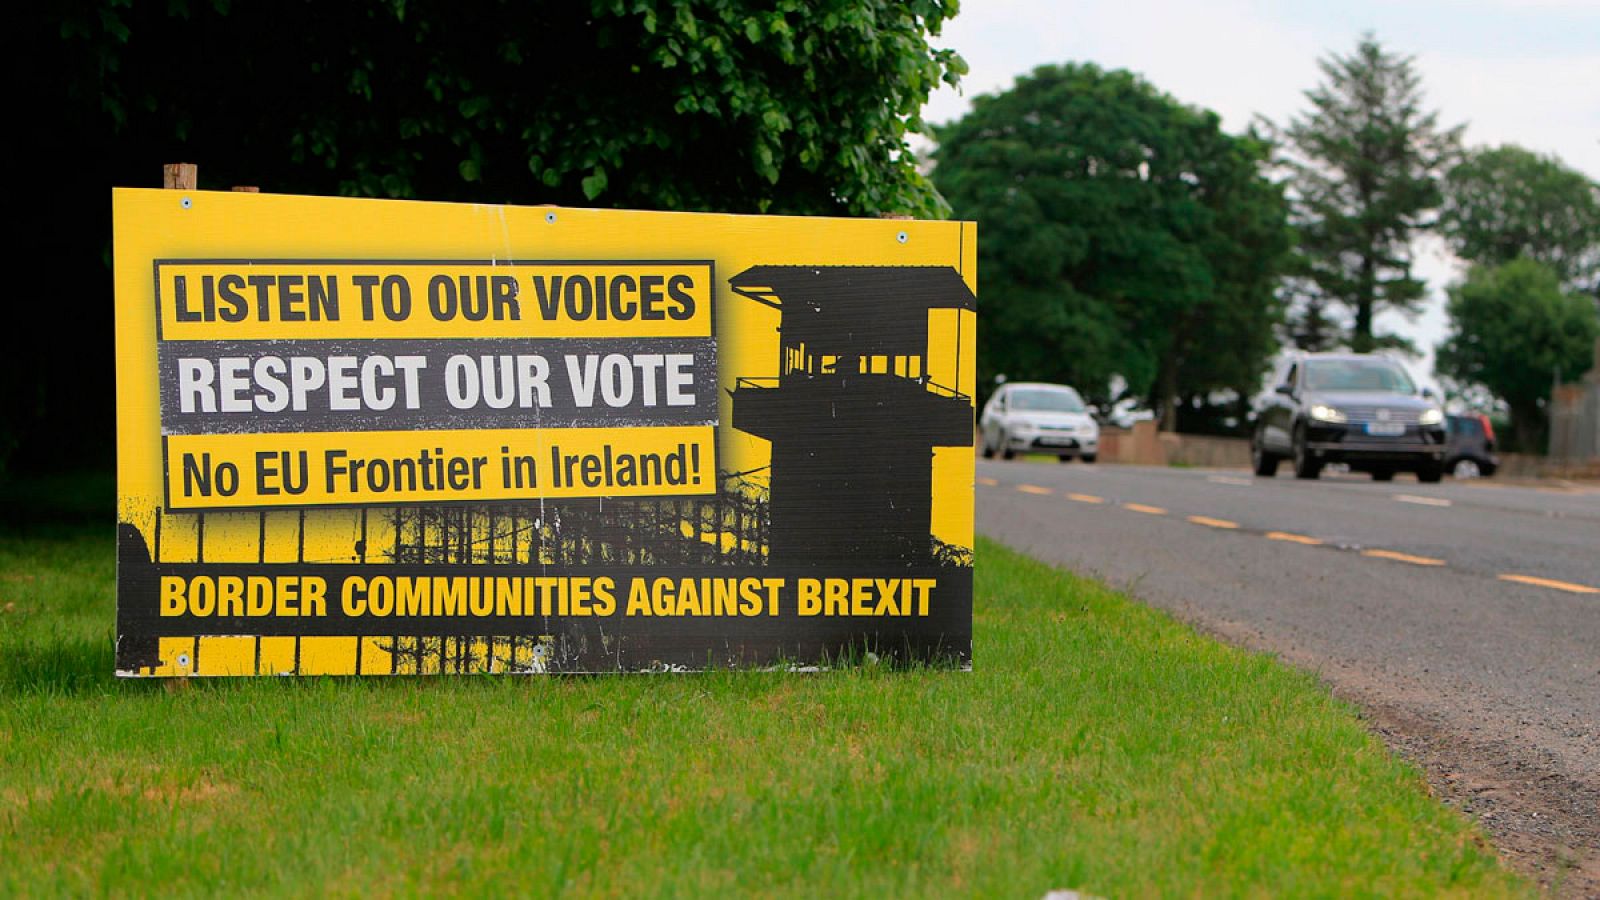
(731, 108)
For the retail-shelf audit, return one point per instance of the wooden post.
(246, 189)
(180, 177)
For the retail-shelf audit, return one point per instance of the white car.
(1028, 417)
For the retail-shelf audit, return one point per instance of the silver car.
(1032, 417)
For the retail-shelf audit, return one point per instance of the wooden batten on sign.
(186, 177)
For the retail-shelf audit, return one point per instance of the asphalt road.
(1463, 617)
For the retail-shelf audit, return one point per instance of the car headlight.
(1324, 413)
(1022, 425)
(1431, 417)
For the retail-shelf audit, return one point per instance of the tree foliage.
(1366, 163)
(1515, 331)
(1122, 233)
(724, 105)
(1507, 202)
(728, 105)
(1310, 323)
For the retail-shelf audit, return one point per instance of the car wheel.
(1005, 447)
(988, 449)
(1305, 466)
(1382, 474)
(1264, 463)
(1065, 458)
(1089, 457)
(1465, 468)
(1430, 473)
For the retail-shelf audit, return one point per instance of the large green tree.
(1366, 163)
(728, 105)
(1123, 232)
(1515, 331)
(1506, 202)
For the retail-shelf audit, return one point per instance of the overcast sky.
(1514, 71)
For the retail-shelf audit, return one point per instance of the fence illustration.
(730, 528)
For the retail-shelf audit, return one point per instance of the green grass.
(1097, 746)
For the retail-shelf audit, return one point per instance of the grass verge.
(1098, 745)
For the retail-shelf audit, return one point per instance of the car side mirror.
(1284, 389)
(1428, 394)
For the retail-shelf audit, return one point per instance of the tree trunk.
(1527, 423)
(1167, 388)
(1361, 341)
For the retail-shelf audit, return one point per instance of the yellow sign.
(370, 437)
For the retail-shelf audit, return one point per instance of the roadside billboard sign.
(381, 437)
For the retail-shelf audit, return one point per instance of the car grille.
(1364, 414)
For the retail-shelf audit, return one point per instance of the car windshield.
(1047, 400)
(1357, 375)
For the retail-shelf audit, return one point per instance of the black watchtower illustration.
(853, 416)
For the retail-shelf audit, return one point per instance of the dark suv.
(1353, 408)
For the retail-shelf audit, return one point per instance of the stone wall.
(1145, 446)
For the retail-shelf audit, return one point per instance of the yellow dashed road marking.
(1403, 557)
(1306, 540)
(1293, 538)
(1568, 586)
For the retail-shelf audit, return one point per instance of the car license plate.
(1386, 429)
(1058, 442)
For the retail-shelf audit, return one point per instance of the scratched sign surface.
(370, 437)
